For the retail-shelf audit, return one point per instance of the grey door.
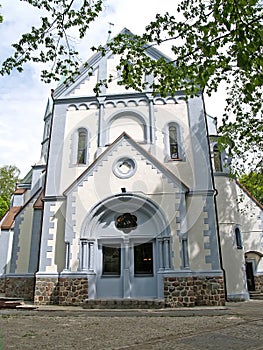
(126, 270)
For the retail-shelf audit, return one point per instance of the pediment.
(98, 68)
(126, 159)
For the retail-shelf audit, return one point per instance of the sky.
(23, 97)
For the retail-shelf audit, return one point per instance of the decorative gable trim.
(65, 89)
(148, 158)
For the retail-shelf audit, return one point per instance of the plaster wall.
(52, 253)
(174, 113)
(6, 240)
(233, 263)
(105, 67)
(198, 234)
(24, 238)
(56, 250)
(113, 87)
(237, 209)
(77, 119)
(86, 86)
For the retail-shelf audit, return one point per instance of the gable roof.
(9, 218)
(39, 202)
(166, 172)
(246, 191)
(84, 72)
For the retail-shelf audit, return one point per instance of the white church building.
(131, 200)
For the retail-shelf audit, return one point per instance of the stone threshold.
(123, 304)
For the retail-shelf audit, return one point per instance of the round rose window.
(124, 167)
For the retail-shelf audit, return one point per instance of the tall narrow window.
(173, 142)
(217, 159)
(238, 238)
(82, 147)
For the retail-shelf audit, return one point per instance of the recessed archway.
(126, 258)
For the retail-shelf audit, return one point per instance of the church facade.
(131, 200)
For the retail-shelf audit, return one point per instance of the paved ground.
(237, 326)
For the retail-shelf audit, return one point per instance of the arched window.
(238, 238)
(217, 159)
(173, 141)
(82, 146)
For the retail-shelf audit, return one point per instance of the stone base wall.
(62, 291)
(258, 283)
(194, 291)
(2, 284)
(20, 287)
(73, 291)
(46, 291)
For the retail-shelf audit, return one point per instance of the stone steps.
(123, 304)
(14, 303)
(256, 295)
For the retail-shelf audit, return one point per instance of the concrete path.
(237, 326)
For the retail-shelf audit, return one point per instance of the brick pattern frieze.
(194, 291)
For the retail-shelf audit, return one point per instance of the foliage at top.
(9, 176)
(1, 17)
(253, 182)
(212, 41)
(215, 41)
(51, 42)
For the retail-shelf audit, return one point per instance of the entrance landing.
(123, 304)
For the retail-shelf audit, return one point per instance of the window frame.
(173, 141)
(218, 166)
(238, 238)
(168, 144)
(82, 149)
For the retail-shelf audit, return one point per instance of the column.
(67, 256)
(126, 283)
(101, 131)
(84, 255)
(160, 249)
(166, 253)
(91, 256)
(151, 119)
(185, 253)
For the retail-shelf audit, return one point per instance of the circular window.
(124, 167)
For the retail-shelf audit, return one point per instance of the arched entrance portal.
(127, 242)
